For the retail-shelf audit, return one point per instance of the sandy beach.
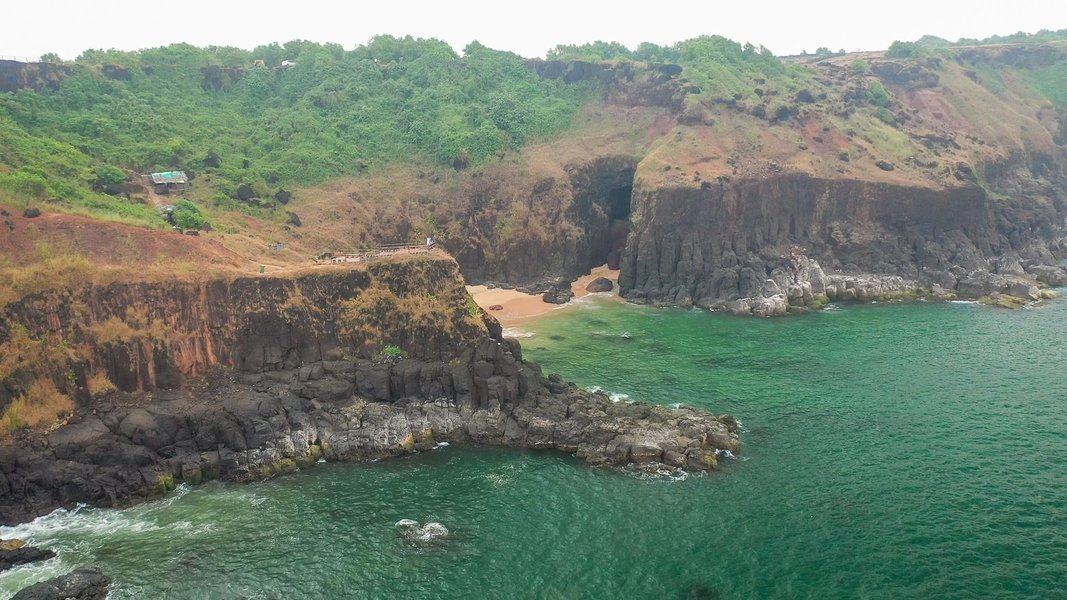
(517, 307)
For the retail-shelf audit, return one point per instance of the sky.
(526, 28)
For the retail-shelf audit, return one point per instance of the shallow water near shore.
(890, 451)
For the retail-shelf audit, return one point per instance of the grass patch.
(42, 404)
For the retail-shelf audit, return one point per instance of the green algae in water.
(897, 451)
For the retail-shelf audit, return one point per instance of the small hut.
(168, 181)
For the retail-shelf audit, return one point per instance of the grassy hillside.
(242, 118)
(405, 137)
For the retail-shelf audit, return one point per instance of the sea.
(912, 450)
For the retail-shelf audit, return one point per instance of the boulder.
(496, 307)
(21, 555)
(600, 284)
(80, 584)
(558, 294)
(1050, 275)
(1027, 291)
(31, 213)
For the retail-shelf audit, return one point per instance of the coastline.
(517, 307)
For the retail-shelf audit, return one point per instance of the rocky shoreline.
(804, 285)
(239, 426)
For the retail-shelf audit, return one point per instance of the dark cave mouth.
(618, 203)
(617, 207)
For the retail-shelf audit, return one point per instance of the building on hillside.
(169, 181)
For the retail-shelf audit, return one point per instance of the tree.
(899, 49)
(187, 215)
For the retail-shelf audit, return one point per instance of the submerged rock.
(412, 531)
(84, 583)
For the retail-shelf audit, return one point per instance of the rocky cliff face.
(16, 75)
(783, 235)
(341, 364)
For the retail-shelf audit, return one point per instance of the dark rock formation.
(38, 76)
(85, 583)
(31, 213)
(720, 245)
(293, 373)
(558, 294)
(600, 284)
(215, 77)
(21, 555)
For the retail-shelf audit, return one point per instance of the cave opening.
(617, 208)
(603, 194)
(619, 203)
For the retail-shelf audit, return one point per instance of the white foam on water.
(613, 396)
(441, 445)
(963, 302)
(515, 332)
(89, 522)
(725, 454)
(28, 574)
(659, 471)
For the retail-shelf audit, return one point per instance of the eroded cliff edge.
(794, 239)
(243, 378)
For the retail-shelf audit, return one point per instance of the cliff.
(942, 175)
(244, 378)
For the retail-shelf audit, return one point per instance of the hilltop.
(528, 170)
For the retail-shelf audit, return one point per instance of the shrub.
(877, 93)
(900, 49)
(187, 215)
(859, 67)
(392, 352)
(109, 175)
(43, 403)
(99, 384)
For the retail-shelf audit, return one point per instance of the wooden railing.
(383, 251)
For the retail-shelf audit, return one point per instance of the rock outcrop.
(15, 75)
(86, 583)
(14, 554)
(760, 247)
(271, 374)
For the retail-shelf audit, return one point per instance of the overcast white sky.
(31, 28)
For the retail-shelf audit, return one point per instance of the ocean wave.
(90, 522)
(613, 396)
(515, 332)
(658, 471)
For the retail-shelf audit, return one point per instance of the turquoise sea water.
(890, 451)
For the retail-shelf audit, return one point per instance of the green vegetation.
(1051, 82)
(243, 118)
(721, 68)
(250, 126)
(878, 95)
(392, 352)
(900, 49)
(188, 216)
